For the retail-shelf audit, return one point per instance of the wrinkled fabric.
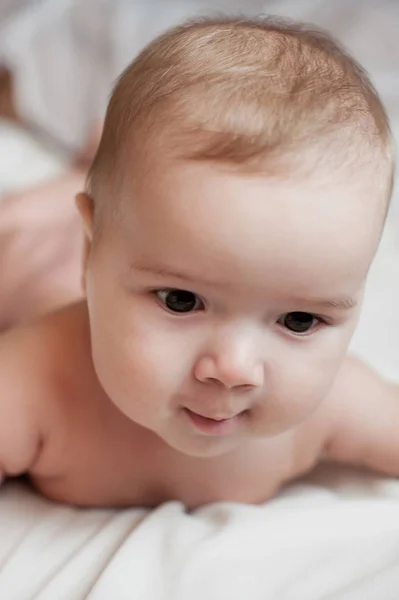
(334, 536)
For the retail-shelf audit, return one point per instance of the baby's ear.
(85, 206)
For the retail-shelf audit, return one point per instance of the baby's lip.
(214, 407)
(216, 417)
(216, 426)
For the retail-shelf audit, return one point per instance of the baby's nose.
(230, 369)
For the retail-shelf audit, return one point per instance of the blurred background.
(59, 60)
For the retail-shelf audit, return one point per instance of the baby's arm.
(363, 413)
(20, 436)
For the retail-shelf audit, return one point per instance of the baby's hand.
(41, 245)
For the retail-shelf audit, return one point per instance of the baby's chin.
(198, 446)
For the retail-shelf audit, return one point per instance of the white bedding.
(334, 535)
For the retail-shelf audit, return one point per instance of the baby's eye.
(299, 322)
(180, 301)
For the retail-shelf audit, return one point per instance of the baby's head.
(233, 209)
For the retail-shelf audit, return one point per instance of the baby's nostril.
(245, 387)
(213, 380)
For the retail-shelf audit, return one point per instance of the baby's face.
(222, 304)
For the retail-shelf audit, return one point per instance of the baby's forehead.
(206, 218)
(156, 171)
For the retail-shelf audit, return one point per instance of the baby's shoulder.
(36, 363)
(35, 352)
(36, 359)
(22, 360)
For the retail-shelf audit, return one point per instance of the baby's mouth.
(215, 426)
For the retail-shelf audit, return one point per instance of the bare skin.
(125, 400)
(41, 247)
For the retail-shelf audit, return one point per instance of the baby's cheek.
(300, 387)
(155, 363)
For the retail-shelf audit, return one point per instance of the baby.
(232, 211)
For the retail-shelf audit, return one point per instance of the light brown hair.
(239, 91)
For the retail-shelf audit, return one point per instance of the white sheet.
(333, 536)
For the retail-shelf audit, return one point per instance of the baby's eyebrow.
(167, 272)
(341, 303)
